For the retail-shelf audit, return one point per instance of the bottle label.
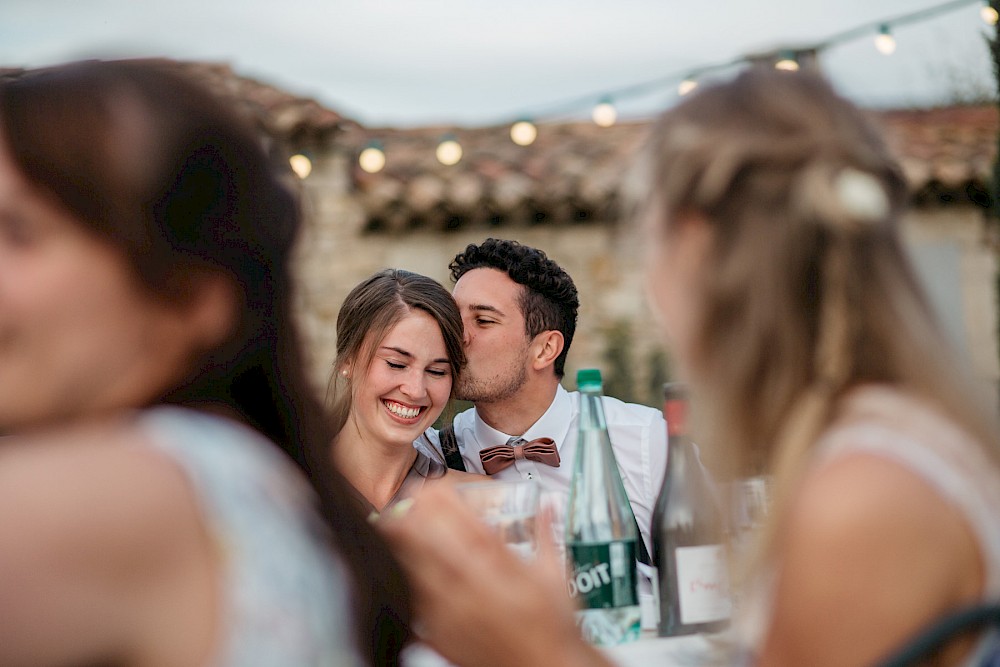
(603, 575)
(702, 584)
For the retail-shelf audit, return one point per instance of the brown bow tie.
(498, 457)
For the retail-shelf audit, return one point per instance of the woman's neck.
(375, 470)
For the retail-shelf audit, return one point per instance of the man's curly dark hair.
(549, 301)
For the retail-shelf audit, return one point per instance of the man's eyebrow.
(482, 307)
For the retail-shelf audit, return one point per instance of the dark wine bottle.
(688, 532)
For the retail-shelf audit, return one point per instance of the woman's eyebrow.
(408, 355)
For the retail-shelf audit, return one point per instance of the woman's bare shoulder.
(89, 506)
(868, 553)
(100, 477)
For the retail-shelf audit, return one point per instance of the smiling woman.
(399, 353)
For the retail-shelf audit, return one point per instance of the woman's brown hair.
(156, 166)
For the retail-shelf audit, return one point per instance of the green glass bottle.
(601, 532)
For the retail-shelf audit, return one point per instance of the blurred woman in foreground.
(772, 215)
(167, 497)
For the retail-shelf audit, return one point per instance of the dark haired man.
(520, 309)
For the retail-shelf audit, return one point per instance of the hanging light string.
(571, 106)
(523, 129)
(887, 24)
(686, 79)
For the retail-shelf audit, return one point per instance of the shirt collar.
(554, 423)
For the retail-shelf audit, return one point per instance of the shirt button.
(530, 476)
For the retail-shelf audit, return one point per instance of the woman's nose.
(414, 384)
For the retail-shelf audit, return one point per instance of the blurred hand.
(477, 603)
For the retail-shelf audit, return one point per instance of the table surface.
(686, 651)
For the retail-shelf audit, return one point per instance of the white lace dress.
(285, 597)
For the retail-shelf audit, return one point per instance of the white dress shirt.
(638, 437)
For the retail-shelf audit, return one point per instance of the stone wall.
(948, 243)
(956, 258)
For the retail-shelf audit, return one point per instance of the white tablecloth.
(687, 651)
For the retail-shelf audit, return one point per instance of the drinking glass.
(509, 507)
(555, 503)
(748, 509)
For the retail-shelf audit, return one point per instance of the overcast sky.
(476, 62)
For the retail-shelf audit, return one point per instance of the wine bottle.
(601, 532)
(687, 535)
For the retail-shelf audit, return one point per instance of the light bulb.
(449, 152)
(301, 165)
(605, 114)
(372, 159)
(787, 64)
(523, 133)
(989, 14)
(885, 42)
(686, 86)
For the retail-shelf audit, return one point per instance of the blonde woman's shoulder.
(868, 555)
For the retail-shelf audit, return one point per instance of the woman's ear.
(213, 311)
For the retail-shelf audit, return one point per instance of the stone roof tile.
(276, 112)
(574, 171)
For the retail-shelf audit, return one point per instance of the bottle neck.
(591, 410)
(675, 412)
(680, 453)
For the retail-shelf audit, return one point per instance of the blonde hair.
(808, 291)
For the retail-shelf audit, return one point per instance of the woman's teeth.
(401, 410)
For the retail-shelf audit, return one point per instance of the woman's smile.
(402, 411)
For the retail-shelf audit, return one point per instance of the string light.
(301, 165)
(884, 41)
(789, 59)
(988, 13)
(686, 86)
(523, 133)
(787, 62)
(372, 158)
(449, 151)
(604, 113)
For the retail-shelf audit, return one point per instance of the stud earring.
(344, 373)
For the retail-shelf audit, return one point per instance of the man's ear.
(545, 348)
